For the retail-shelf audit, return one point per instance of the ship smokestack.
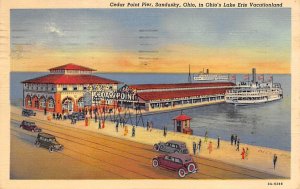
(207, 71)
(253, 75)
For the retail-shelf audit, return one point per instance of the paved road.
(90, 155)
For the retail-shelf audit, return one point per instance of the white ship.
(247, 93)
(211, 77)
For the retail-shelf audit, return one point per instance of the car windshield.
(188, 160)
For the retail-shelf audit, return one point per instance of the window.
(178, 161)
(74, 88)
(42, 103)
(51, 103)
(65, 88)
(84, 88)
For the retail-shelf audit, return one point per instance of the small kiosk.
(182, 124)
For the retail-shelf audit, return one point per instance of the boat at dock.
(254, 92)
(206, 76)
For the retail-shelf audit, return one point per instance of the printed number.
(275, 183)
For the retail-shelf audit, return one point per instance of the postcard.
(150, 94)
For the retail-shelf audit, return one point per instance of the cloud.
(51, 27)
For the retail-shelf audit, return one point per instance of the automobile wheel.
(161, 147)
(191, 167)
(51, 149)
(156, 147)
(154, 162)
(37, 144)
(181, 173)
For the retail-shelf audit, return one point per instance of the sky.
(152, 40)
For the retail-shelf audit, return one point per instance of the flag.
(261, 77)
(233, 77)
(271, 78)
(246, 77)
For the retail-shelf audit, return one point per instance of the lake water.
(266, 124)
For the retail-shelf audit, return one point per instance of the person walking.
(218, 142)
(274, 160)
(243, 153)
(246, 153)
(133, 131)
(148, 125)
(238, 145)
(151, 126)
(117, 126)
(53, 115)
(125, 130)
(96, 118)
(99, 125)
(199, 145)
(232, 138)
(235, 139)
(194, 147)
(45, 111)
(165, 131)
(205, 137)
(210, 147)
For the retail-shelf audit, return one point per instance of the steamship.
(246, 93)
(206, 76)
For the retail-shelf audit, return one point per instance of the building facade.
(63, 90)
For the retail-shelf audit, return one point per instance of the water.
(266, 124)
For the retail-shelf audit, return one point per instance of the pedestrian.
(53, 115)
(218, 142)
(117, 126)
(165, 131)
(151, 126)
(148, 125)
(99, 125)
(96, 118)
(235, 139)
(45, 111)
(274, 160)
(247, 153)
(133, 131)
(243, 153)
(210, 147)
(125, 130)
(238, 145)
(86, 121)
(75, 120)
(205, 137)
(57, 115)
(232, 138)
(194, 147)
(199, 145)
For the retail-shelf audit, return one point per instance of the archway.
(68, 105)
(28, 102)
(42, 102)
(50, 104)
(35, 102)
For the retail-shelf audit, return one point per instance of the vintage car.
(77, 115)
(182, 163)
(28, 113)
(48, 141)
(171, 146)
(30, 126)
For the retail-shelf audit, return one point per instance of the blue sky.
(119, 30)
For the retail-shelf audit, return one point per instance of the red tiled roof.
(147, 96)
(182, 117)
(72, 67)
(179, 85)
(70, 79)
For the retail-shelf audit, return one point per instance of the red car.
(182, 163)
(30, 126)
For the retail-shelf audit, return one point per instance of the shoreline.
(260, 158)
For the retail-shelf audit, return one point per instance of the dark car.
(30, 126)
(28, 113)
(77, 115)
(182, 163)
(48, 141)
(171, 146)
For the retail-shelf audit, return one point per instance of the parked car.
(30, 126)
(28, 113)
(77, 115)
(48, 141)
(171, 146)
(182, 163)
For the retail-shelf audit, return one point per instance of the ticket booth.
(182, 124)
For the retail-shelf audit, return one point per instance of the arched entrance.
(80, 103)
(68, 104)
(50, 104)
(42, 102)
(28, 102)
(35, 102)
